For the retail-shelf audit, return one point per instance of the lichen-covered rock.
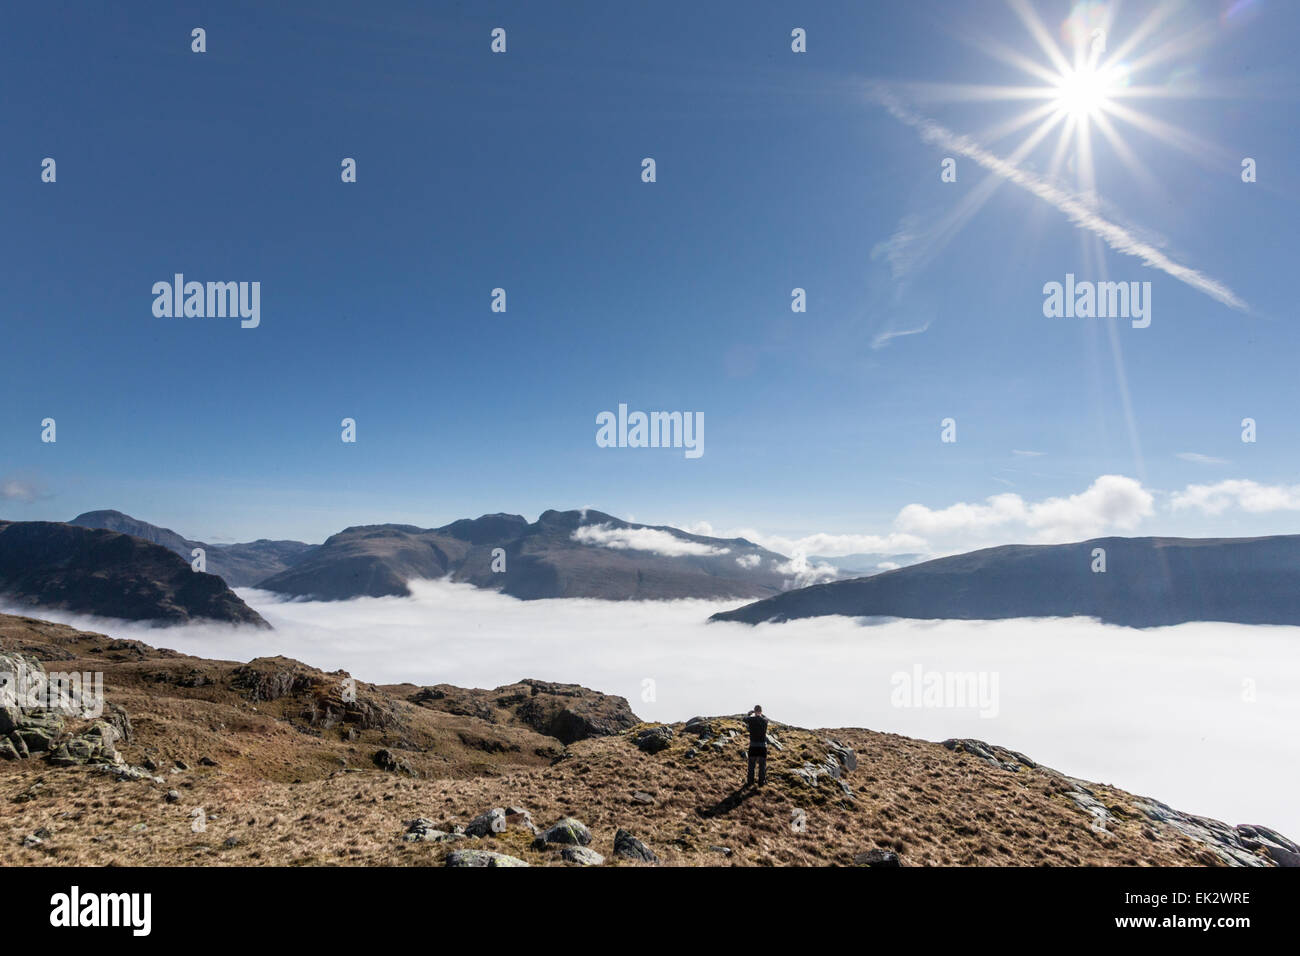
(583, 856)
(96, 744)
(488, 823)
(655, 739)
(462, 858)
(567, 831)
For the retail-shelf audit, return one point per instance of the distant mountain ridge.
(562, 554)
(239, 565)
(48, 564)
(1148, 582)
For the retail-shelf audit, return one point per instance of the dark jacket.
(757, 725)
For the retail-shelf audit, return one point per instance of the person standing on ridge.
(757, 725)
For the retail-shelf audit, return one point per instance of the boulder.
(567, 831)
(487, 824)
(461, 858)
(583, 856)
(392, 762)
(655, 739)
(630, 848)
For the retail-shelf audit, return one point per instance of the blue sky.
(522, 170)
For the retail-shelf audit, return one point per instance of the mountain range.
(1137, 582)
(579, 553)
(1146, 582)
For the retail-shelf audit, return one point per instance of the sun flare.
(1086, 92)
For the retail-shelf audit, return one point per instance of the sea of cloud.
(1200, 716)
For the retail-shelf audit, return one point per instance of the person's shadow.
(727, 803)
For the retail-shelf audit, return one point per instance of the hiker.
(757, 725)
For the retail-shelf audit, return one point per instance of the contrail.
(1115, 236)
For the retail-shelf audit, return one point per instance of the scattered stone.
(877, 858)
(844, 754)
(31, 793)
(640, 796)
(521, 818)
(231, 842)
(630, 848)
(724, 850)
(123, 772)
(424, 830)
(208, 762)
(181, 765)
(394, 763)
(173, 796)
(461, 858)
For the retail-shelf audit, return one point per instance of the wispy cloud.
(1201, 459)
(1076, 209)
(1027, 454)
(823, 544)
(884, 338)
(15, 489)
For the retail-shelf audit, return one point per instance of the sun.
(1085, 92)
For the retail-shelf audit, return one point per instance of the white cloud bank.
(1146, 710)
(1111, 503)
(1248, 496)
(643, 539)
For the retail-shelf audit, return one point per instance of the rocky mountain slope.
(1147, 582)
(562, 554)
(52, 565)
(239, 565)
(273, 762)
